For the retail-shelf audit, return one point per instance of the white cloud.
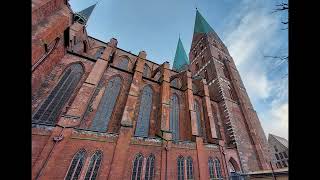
(250, 31)
(276, 120)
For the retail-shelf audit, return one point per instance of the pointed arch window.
(142, 127)
(76, 165)
(180, 164)
(176, 83)
(137, 167)
(123, 64)
(94, 166)
(198, 115)
(50, 109)
(189, 168)
(218, 168)
(211, 168)
(106, 106)
(150, 168)
(146, 70)
(174, 117)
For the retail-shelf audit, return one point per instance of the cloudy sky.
(249, 28)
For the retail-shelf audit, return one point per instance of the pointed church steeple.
(202, 26)
(181, 60)
(83, 16)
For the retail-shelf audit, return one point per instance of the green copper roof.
(202, 26)
(180, 59)
(86, 12)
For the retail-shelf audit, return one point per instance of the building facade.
(279, 150)
(102, 112)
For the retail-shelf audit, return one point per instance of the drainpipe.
(56, 139)
(166, 172)
(274, 177)
(225, 160)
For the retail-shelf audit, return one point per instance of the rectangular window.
(284, 164)
(285, 154)
(279, 165)
(66, 37)
(277, 156)
(281, 156)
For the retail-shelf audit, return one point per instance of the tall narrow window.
(218, 168)
(174, 117)
(142, 127)
(146, 71)
(277, 156)
(198, 114)
(281, 156)
(59, 96)
(206, 75)
(197, 66)
(76, 165)
(189, 168)
(150, 168)
(180, 164)
(99, 52)
(123, 64)
(137, 167)
(94, 166)
(84, 46)
(106, 106)
(211, 168)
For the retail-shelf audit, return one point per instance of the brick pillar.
(164, 112)
(202, 159)
(208, 111)
(245, 108)
(81, 101)
(190, 105)
(120, 155)
(164, 117)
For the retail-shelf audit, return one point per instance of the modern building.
(102, 112)
(279, 150)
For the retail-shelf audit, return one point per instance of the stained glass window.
(198, 114)
(211, 168)
(189, 168)
(218, 168)
(150, 168)
(123, 64)
(106, 106)
(94, 166)
(137, 167)
(180, 164)
(142, 127)
(176, 83)
(76, 165)
(174, 117)
(50, 109)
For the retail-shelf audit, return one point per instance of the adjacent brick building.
(279, 150)
(101, 112)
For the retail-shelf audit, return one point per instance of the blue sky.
(248, 28)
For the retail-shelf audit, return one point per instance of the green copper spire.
(202, 26)
(180, 59)
(83, 16)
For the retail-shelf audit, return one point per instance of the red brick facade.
(231, 129)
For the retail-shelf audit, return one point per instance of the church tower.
(210, 59)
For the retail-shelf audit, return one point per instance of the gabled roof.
(202, 26)
(281, 140)
(180, 59)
